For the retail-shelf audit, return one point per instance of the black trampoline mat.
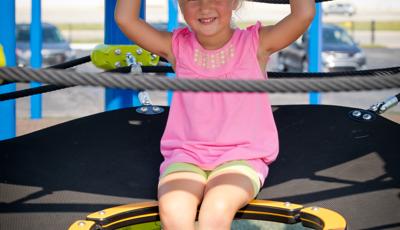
(52, 177)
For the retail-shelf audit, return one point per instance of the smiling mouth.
(207, 20)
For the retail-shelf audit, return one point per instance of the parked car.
(340, 8)
(339, 52)
(55, 49)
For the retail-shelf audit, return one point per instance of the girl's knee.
(173, 207)
(172, 216)
(179, 195)
(217, 215)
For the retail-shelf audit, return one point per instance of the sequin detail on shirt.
(213, 60)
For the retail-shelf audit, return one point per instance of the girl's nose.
(205, 5)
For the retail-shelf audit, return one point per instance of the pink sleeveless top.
(208, 129)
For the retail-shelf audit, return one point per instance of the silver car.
(55, 49)
(340, 9)
(339, 52)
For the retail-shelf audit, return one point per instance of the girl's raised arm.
(139, 31)
(277, 37)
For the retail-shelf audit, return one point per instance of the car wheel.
(304, 66)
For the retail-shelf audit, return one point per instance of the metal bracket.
(147, 105)
(385, 105)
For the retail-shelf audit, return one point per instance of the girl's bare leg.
(179, 195)
(224, 195)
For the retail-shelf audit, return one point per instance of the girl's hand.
(140, 32)
(279, 36)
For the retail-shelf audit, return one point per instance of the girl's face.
(208, 17)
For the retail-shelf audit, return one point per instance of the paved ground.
(25, 125)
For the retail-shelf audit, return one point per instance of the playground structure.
(346, 163)
(145, 216)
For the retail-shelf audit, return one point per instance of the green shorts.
(240, 165)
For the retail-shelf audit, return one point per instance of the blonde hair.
(240, 4)
(235, 15)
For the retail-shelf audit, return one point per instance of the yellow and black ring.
(274, 211)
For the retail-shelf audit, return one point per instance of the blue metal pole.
(315, 50)
(116, 98)
(36, 55)
(7, 40)
(172, 24)
(172, 14)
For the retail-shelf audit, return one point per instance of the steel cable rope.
(44, 88)
(149, 82)
(166, 69)
(368, 72)
(69, 64)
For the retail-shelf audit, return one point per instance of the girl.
(216, 146)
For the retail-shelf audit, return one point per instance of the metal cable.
(368, 72)
(45, 88)
(51, 88)
(65, 65)
(30, 92)
(72, 63)
(358, 73)
(123, 81)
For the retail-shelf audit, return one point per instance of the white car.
(339, 53)
(340, 9)
(55, 49)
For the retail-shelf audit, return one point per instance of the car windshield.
(336, 36)
(50, 35)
